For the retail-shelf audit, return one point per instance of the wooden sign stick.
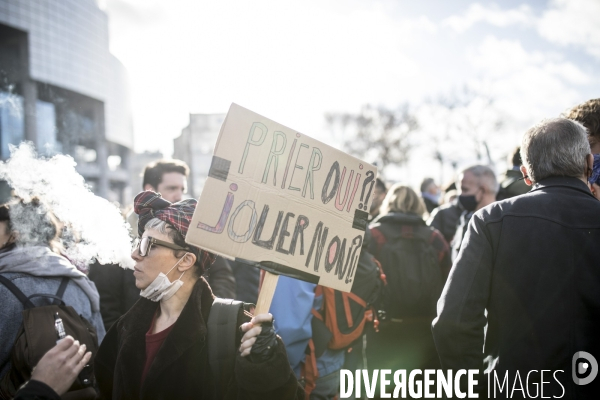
(266, 293)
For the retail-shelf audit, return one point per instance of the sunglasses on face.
(143, 245)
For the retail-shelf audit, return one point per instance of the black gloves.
(264, 347)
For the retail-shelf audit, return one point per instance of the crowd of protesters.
(492, 274)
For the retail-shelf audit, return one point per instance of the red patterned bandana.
(148, 205)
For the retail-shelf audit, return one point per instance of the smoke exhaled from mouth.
(94, 228)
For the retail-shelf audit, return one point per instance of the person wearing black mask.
(478, 188)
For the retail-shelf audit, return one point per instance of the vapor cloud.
(94, 228)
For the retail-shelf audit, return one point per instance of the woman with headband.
(159, 349)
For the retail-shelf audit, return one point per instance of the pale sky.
(295, 61)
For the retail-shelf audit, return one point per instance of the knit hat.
(148, 205)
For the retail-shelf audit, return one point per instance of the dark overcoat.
(529, 269)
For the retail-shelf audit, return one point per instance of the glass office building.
(62, 89)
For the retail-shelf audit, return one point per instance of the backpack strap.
(63, 286)
(48, 296)
(309, 370)
(321, 335)
(61, 289)
(17, 292)
(26, 301)
(378, 237)
(222, 330)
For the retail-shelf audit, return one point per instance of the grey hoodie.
(39, 270)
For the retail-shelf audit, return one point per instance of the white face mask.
(161, 287)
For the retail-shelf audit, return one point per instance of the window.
(12, 129)
(46, 128)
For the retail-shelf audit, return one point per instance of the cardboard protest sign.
(282, 199)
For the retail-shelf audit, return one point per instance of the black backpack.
(413, 272)
(37, 335)
(223, 328)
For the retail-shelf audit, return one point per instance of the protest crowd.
(488, 273)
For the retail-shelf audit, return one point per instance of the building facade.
(195, 146)
(62, 89)
(138, 164)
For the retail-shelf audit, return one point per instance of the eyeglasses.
(144, 245)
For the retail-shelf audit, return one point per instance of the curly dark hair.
(588, 114)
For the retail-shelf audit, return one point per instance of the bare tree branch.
(377, 133)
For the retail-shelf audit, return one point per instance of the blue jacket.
(292, 302)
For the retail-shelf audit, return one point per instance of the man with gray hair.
(528, 269)
(477, 188)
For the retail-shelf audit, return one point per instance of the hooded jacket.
(181, 368)
(34, 270)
